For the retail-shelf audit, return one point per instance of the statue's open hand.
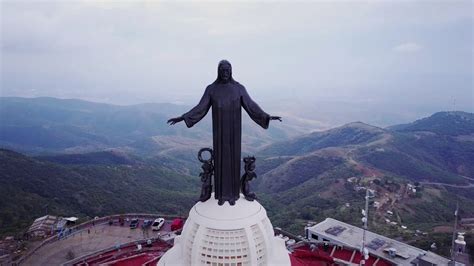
(275, 118)
(175, 120)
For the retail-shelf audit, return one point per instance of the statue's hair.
(224, 62)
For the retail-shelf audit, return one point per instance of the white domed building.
(227, 235)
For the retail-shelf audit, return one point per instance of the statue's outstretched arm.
(197, 113)
(254, 111)
(276, 118)
(175, 120)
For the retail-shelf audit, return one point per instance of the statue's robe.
(227, 100)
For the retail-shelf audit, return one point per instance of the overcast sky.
(405, 53)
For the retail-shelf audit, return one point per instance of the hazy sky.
(404, 54)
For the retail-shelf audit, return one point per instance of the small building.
(43, 226)
(346, 235)
(376, 204)
(65, 222)
(467, 223)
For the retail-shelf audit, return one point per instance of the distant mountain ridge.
(50, 125)
(57, 125)
(99, 158)
(349, 134)
(441, 156)
(446, 123)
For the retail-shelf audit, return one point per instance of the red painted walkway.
(129, 256)
(303, 256)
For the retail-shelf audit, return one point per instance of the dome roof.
(216, 235)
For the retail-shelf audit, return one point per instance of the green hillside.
(319, 175)
(27, 185)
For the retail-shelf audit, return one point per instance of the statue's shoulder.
(210, 87)
(240, 86)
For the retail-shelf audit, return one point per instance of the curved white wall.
(227, 235)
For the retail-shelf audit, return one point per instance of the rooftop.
(43, 223)
(378, 245)
(467, 220)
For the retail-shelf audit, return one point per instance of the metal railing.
(83, 258)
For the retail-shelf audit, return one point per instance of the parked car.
(157, 224)
(177, 224)
(147, 223)
(134, 223)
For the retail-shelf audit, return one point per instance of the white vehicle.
(157, 224)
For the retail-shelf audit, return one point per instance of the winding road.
(470, 185)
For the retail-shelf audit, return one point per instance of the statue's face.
(225, 72)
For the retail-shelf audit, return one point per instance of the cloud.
(142, 51)
(408, 47)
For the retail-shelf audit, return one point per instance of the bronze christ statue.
(226, 97)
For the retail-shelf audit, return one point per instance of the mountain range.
(88, 159)
(322, 169)
(50, 125)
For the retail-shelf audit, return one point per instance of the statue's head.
(224, 71)
(249, 163)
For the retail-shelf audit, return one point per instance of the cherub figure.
(249, 174)
(206, 175)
